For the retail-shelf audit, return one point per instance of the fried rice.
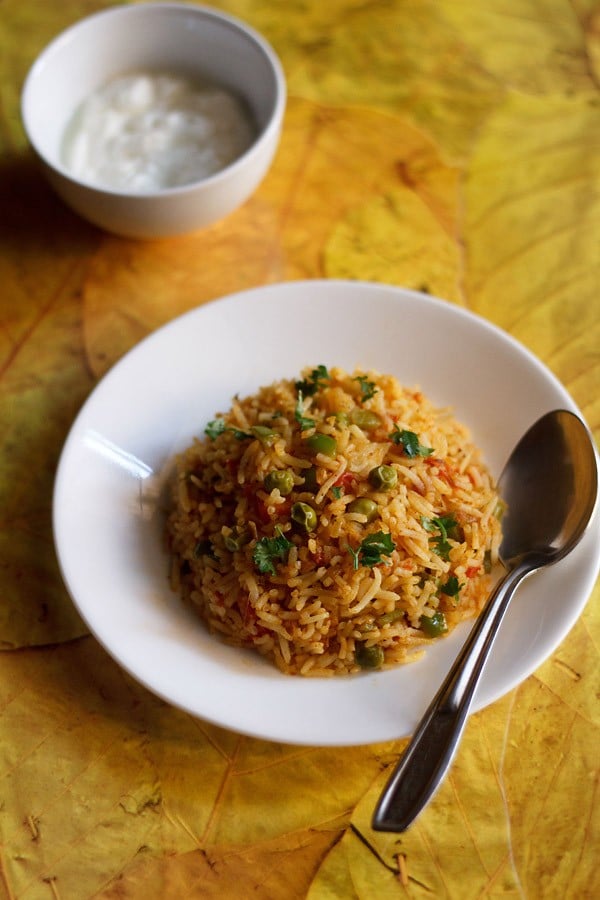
(334, 523)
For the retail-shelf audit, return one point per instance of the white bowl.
(187, 40)
(109, 526)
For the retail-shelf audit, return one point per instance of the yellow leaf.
(550, 770)
(278, 868)
(414, 62)
(42, 384)
(96, 771)
(532, 208)
(105, 785)
(319, 212)
(535, 46)
(515, 816)
(570, 672)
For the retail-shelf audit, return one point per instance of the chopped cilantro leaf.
(219, 426)
(442, 547)
(443, 525)
(355, 554)
(317, 379)
(337, 492)
(304, 422)
(409, 441)
(215, 428)
(240, 435)
(367, 388)
(268, 550)
(372, 549)
(452, 587)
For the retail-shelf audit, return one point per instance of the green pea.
(236, 540)
(368, 657)
(365, 419)
(264, 434)
(487, 562)
(383, 478)
(434, 625)
(304, 516)
(364, 507)
(282, 479)
(322, 443)
(391, 617)
(311, 483)
(342, 419)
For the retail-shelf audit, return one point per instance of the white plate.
(108, 527)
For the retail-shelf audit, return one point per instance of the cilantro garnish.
(317, 379)
(304, 422)
(264, 434)
(240, 435)
(268, 550)
(219, 426)
(367, 388)
(372, 549)
(409, 441)
(443, 524)
(452, 587)
(215, 428)
(337, 492)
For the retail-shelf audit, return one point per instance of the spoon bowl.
(550, 486)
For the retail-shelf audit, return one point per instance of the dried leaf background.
(463, 161)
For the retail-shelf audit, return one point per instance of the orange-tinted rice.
(325, 610)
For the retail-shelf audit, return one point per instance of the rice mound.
(335, 523)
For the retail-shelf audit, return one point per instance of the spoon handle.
(432, 747)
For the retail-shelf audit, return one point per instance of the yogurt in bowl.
(147, 131)
(199, 51)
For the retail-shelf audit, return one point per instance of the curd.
(144, 132)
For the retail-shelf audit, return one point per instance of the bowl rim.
(263, 136)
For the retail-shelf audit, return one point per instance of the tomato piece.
(318, 555)
(445, 468)
(347, 480)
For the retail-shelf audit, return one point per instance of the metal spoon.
(550, 484)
